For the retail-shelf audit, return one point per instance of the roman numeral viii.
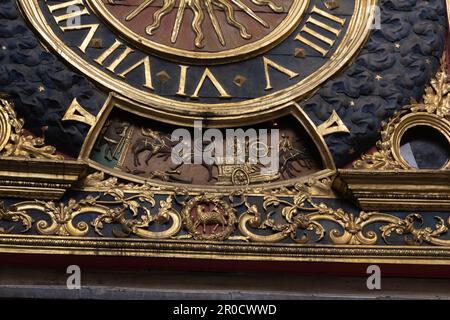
(315, 39)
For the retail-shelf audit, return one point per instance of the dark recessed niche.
(424, 147)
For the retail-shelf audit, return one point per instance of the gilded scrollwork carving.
(321, 185)
(99, 180)
(434, 111)
(14, 216)
(414, 236)
(132, 213)
(15, 142)
(298, 218)
(239, 217)
(382, 159)
(138, 225)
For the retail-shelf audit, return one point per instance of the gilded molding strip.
(315, 185)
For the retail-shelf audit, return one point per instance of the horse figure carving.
(161, 146)
(154, 142)
(290, 156)
(209, 217)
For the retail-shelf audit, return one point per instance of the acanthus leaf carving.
(16, 142)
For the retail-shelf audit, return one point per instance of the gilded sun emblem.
(202, 8)
(202, 30)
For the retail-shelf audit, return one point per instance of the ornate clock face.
(182, 59)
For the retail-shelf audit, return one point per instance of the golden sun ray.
(159, 14)
(198, 8)
(178, 20)
(215, 22)
(139, 9)
(250, 12)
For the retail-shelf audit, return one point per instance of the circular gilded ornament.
(228, 61)
(209, 218)
(240, 177)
